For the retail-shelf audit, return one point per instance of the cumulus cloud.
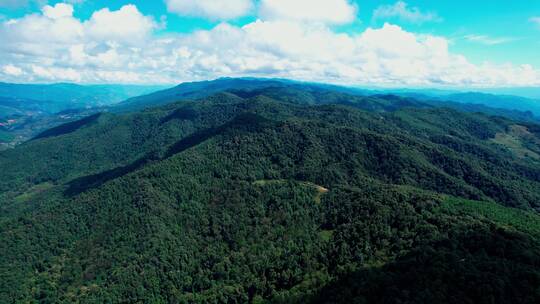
(315, 52)
(127, 24)
(55, 25)
(12, 70)
(121, 47)
(212, 9)
(55, 46)
(403, 12)
(327, 11)
(60, 10)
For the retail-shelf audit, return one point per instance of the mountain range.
(51, 98)
(271, 191)
(28, 109)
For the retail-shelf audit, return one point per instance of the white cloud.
(212, 9)
(25, 35)
(127, 24)
(326, 11)
(12, 70)
(122, 47)
(66, 74)
(55, 46)
(403, 12)
(487, 40)
(60, 10)
(315, 52)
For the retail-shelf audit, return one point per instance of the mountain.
(527, 92)
(31, 109)
(274, 194)
(470, 104)
(26, 110)
(508, 106)
(195, 90)
(63, 96)
(530, 106)
(498, 101)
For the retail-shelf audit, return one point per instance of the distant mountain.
(497, 101)
(527, 92)
(33, 108)
(507, 112)
(501, 102)
(514, 107)
(28, 109)
(57, 97)
(195, 90)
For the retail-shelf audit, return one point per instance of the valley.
(28, 109)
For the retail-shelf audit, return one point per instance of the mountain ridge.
(516, 107)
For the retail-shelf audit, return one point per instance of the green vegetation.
(509, 218)
(272, 196)
(520, 141)
(31, 193)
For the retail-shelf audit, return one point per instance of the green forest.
(275, 195)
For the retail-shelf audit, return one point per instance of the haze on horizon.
(415, 43)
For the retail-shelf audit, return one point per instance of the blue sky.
(416, 43)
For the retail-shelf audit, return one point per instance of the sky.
(413, 43)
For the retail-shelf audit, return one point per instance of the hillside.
(274, 195)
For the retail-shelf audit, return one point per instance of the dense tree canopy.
(274, 196)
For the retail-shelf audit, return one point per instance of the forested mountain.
(274, 194)
(201, 89)
(26, 110)
(508, 106)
